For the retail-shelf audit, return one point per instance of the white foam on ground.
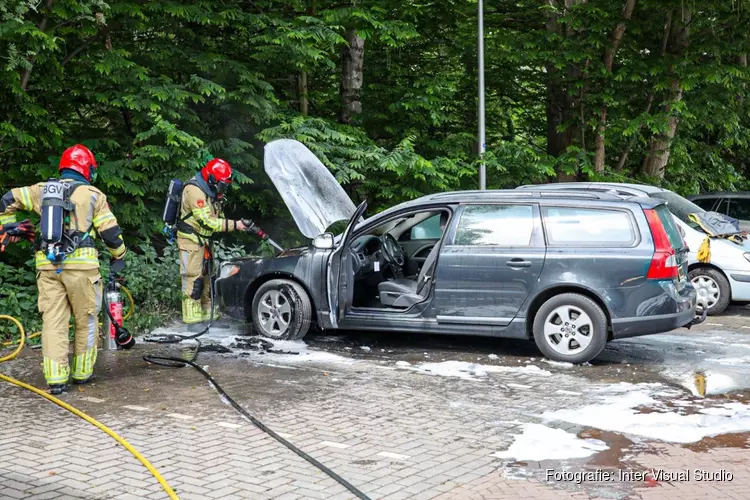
(299, 353)
(539, 442)
(561, 364)
(472, 371)
(619, 410)
(730, 361)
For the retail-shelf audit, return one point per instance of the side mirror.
(323, 241)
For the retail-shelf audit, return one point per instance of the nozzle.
(274, 244)
(123, 338)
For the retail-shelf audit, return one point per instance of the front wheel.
(281, 310)
(713, 289)
(571, 328)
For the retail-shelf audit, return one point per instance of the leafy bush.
(18, 298)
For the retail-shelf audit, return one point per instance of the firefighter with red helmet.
(67, 261)
(200, 217)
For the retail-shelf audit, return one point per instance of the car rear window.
(588, 227)
(675, 238)
(495, 225)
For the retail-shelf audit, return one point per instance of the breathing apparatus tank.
(56, 206)
(172, 209)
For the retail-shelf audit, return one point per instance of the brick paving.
(393, 433)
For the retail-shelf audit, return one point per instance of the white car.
(724, 279)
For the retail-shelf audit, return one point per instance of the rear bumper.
(682, 312)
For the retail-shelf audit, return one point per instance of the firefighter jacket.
(90, 215)
(200, 216)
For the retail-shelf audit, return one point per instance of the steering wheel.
(392, 251)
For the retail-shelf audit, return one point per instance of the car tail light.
(664, 262)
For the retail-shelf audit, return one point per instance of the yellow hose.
(168, 489)
(131, 309)
(21, 342)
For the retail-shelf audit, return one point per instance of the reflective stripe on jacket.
(203, 216)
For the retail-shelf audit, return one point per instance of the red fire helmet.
(80, 159)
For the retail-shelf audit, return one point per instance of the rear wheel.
(570, 327)
(281, 310)
(713, 289)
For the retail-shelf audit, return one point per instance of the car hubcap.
(568, 330)
(708, 290)
(274, 312)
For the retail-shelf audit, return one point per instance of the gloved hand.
(116, 266)
(15, 232)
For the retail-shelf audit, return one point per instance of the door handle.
(518, 263)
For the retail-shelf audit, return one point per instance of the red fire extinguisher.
(117, 335)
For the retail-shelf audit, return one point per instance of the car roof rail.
(531, 193)
(591, 195)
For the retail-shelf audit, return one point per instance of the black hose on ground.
(176, 339)
(172, 362)
(343, 482)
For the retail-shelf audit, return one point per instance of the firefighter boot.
(57, 389)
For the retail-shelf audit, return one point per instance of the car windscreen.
(679, 206)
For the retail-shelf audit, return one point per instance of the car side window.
(740, 208)
(570, 226)
(495, 225)
(722, 207)
(428, 229)
(705, 203)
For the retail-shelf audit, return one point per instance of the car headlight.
(228, 269)
(747, 256)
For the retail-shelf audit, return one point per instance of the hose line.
(173, 362)
(183, 362)
(168, 489)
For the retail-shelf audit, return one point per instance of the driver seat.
(405, 292)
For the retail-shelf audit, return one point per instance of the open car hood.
(313, 196)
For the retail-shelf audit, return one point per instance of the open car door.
(340, 271)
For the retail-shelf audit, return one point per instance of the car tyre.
(281, 310)
(570, 328)
(712, 284)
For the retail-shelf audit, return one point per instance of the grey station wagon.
(570, 270)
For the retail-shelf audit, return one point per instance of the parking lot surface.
(399, 416)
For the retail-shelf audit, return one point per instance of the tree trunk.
(742, 63)
(650, 100)
(609, 58)
(352, 76)
(42, 26)
(563, 108)
(660, 145)
(557, 140)
(303, 102)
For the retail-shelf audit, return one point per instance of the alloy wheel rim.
(568, 330)
(274, 313)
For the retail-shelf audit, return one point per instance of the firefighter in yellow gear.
(200, 218)
(70, 284)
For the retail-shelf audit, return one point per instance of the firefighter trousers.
(76, 291)
(196, 287)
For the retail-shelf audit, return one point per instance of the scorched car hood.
(313, 196)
